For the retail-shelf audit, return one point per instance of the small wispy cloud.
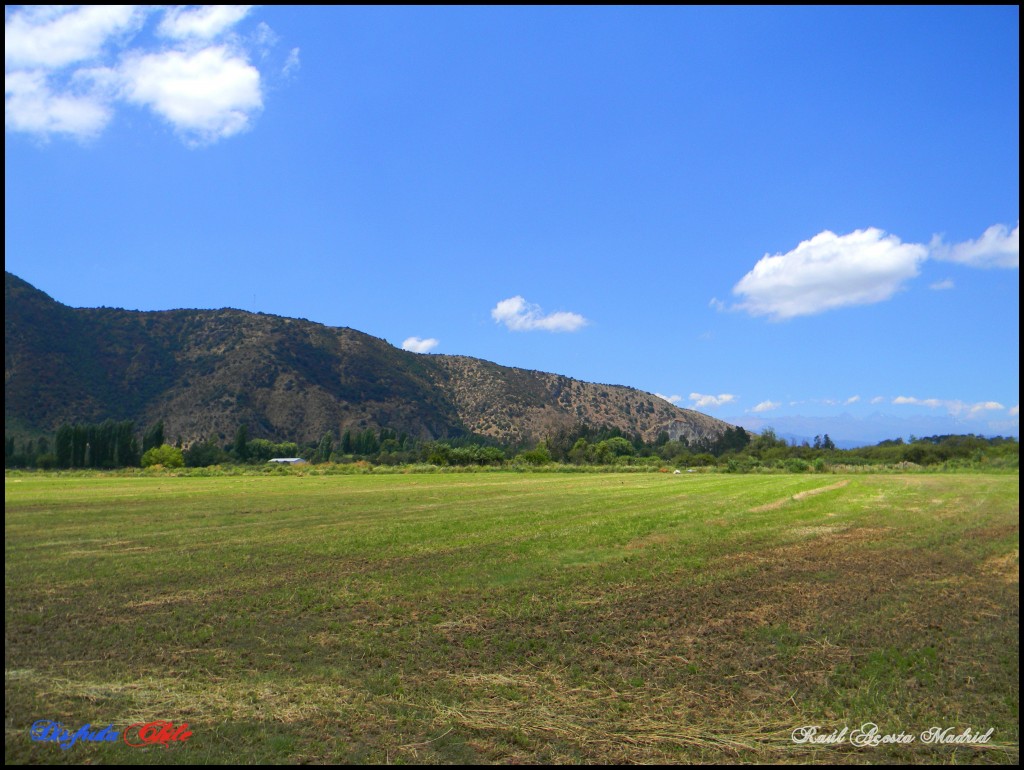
(291, 64)
(670, 399)
(954, 407)
(929, 402)
(985, 406)
(703, 401)
(417, 345)
(203, 22)
(521, 316)
(766, 406)
(851, 400)
(998, 246)
(944, 285)
(69, 68)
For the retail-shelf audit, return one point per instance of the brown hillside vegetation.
(205, 372)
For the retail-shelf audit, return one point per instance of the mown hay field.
(511, 618)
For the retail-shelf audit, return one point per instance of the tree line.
(116, 444)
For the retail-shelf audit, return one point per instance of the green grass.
(502, 617)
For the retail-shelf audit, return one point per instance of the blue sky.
(799, 218)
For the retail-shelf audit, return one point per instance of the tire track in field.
(798, 496)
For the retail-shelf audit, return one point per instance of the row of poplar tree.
(108, 444)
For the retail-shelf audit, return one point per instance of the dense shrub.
(166, 455)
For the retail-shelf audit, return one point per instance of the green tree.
(538, 456)
(326, 447)
(241, 448)
(617, 446)
(261, 450)
(79, 445)
(580, 452)
(153, 437)
(166, 455)
(63, 445)
(205, 453)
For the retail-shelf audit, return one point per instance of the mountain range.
(205, 372)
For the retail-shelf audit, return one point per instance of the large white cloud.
(827, 272)
(67, 69)
(998, 246)
(208, 94)
(519, 315)
(863, 267)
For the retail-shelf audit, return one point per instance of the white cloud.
(954, 407)
(68, 68)
(30, 106)
(208, 94)
(929, 402)
(998, 246)
(519, 315)
(702, 401)
(851, 400)
(204, 22)
(985, 406)
(417, 345)
(1014, 411)
(766, 406)
(827, 272)
(291, 64)
(863, 267)
(55, 36)
(670, 399)
(878, 400)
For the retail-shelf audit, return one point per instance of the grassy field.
(513, 618)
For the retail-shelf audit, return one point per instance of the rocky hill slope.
(204, 372)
